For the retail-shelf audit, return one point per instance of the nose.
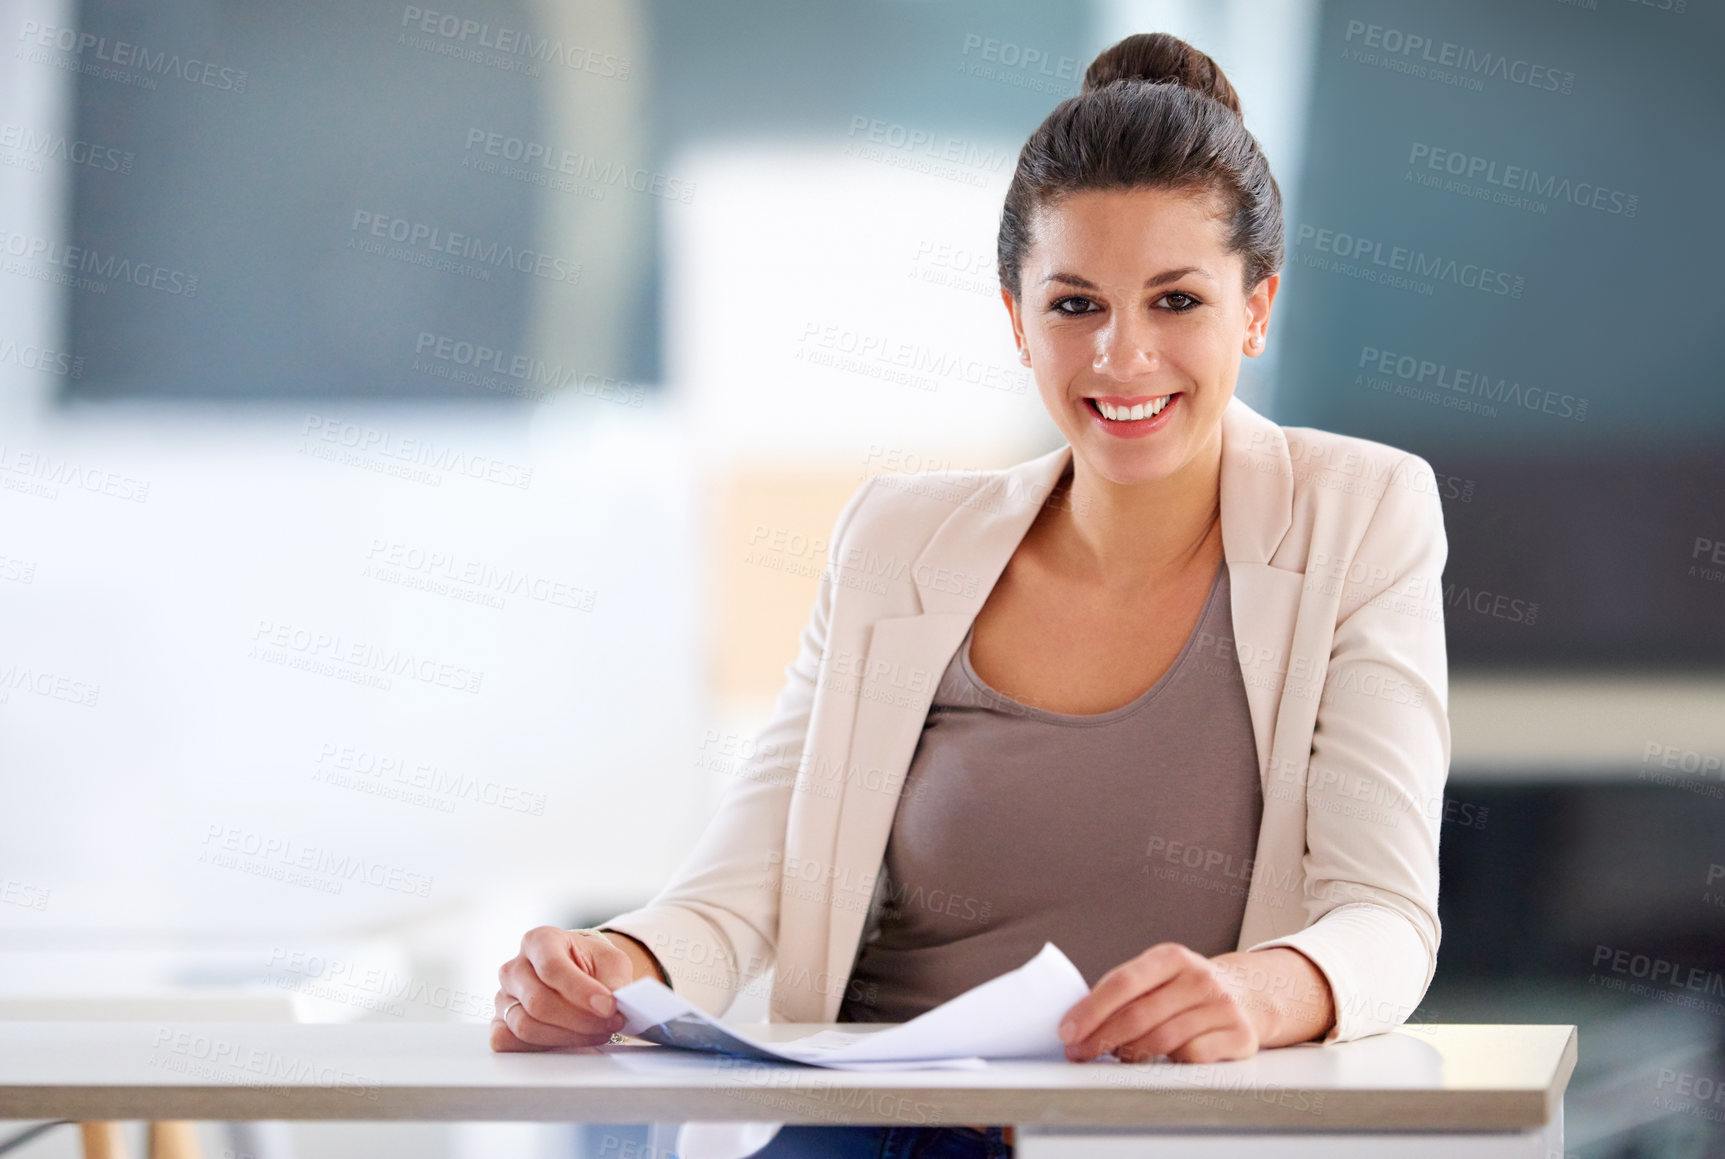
(1125, 349)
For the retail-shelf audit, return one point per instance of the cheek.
(1052, 390)
(1204, 358)
(1065, 348)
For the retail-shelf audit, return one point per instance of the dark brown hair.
(1153, 112)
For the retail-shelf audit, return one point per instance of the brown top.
(1103, 833)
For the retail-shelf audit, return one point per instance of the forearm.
(1283, 992)
(646, 965)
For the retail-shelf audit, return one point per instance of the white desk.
(1410, 1092)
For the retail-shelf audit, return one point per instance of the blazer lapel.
(1257, 508)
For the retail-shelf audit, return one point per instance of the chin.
(1125, 467)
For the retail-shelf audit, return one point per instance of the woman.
(1171, 697)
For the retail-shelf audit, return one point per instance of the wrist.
(1282, 993)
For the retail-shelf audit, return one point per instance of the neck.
(1123, 535)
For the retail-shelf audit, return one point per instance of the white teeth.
(1121, 414)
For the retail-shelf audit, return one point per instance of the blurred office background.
(420, 427)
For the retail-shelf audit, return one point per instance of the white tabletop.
(1430, 1077)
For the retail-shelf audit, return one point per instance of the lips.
(1153, 412)
(1117, 409)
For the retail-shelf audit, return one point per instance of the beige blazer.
(1334, 547)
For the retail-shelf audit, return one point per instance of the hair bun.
(1155, 57)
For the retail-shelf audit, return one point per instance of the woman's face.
(1131, 305)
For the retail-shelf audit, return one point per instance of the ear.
(1258, 309)
(1017, 325)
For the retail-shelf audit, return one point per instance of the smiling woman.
(1214, 660)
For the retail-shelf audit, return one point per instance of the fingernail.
(1066, 1030)
(601, 1003)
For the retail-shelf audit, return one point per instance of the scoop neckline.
(1086, 719)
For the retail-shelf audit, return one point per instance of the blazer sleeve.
(714, 926)
(1379, 760)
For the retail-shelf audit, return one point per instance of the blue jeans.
(806, 1142)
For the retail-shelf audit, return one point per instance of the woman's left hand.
(1169, 1000)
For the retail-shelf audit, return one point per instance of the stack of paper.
(1016, 1015)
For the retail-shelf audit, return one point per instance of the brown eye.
(1191, 303)
(1060, 306)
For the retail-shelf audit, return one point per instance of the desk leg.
(102, 1141)
(176, 1139)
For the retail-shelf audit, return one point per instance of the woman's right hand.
(557, 991)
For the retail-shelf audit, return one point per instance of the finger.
(1168, 1036)
(611, 964)
(502, 1038)
(1188, 989)
(545, 1004)
(535, 1034)
(1221, 1045)
(1121, 985)
(552, 953)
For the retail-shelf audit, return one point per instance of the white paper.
(1016, 1015)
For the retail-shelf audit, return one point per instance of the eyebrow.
(1149, 283)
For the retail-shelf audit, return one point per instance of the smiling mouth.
(1121, 410)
